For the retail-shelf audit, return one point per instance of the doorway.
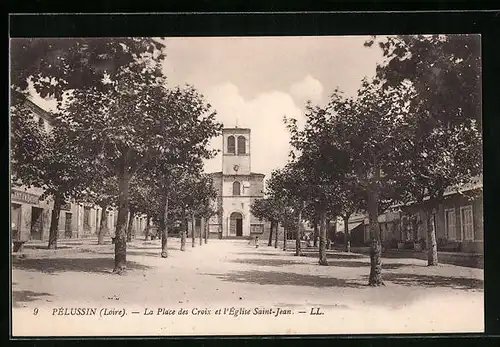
(236, 224)
(16, 221)
(36, 223)
(239, 227)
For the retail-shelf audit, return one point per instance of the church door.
(239, 227)
(236, 224)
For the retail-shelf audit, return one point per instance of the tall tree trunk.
(316, 233)
(276, 225)
(376, 246)
(193, 226)
(322, 240)
(285, 230)
(103, 225)
(184, 230)
(130, 225)
(347, 235)
(164, 228)
(328, 233)
(202, 229)
(298, 251)
(121, 224)
(432, 254)
(270, 242)
(54, 222)
(207, 229)
(146, 231)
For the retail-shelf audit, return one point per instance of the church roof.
(236, 129)
(256, 174)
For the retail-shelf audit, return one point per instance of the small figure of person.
(256, 241)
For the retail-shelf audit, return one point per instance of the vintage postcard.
(183, 186)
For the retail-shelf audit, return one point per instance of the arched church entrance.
(236, 224)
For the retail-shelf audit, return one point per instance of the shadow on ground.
(433, 281)
(45, 247)
(258, 253)
(363, 264)
(55, 265)
(156, 253)
(285, 278)
(466, 260)
(147, 247)
(334, 255)
(338, 263)
(25, 296)
(268, 262)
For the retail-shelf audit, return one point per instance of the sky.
(254, 82)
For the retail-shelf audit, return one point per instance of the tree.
(29, 143)
(103, 193)
(443, 158)
(289, 193)
(58, 65)
(352, 200)
(321, 168)
(184, 200)
(48, 160)
(203, 194)
(446, 149)
(275, 190)
(381, 115)
(122, 126)
(445, 71)
(266, 210)
(347, 145)
(192, 124)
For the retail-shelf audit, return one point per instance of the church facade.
(237, 186)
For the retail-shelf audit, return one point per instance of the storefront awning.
(340, 229)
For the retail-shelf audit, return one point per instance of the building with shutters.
(458, 222)
(31, 216)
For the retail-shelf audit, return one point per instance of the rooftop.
(34, 107)
(236, 129)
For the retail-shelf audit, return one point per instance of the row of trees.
(122, 138)
(409, 134)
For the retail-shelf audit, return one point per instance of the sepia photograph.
(254, 185)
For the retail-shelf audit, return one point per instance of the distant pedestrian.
(256, 242)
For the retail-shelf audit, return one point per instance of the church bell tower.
(236, 151)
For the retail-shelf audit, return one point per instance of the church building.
(238, 187)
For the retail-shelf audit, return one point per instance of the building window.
(450, 220)
(242, 142)
(231, 147)
(466, 222)
(236, 188)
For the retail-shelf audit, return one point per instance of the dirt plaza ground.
(232, 287)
